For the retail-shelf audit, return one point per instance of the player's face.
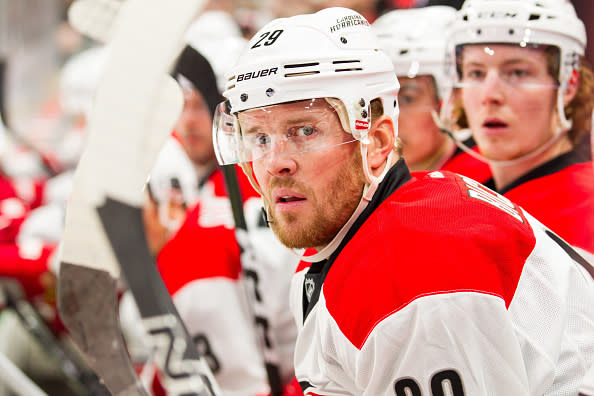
(310, 194)
(509, 99)
(195, 128)
(422, 140)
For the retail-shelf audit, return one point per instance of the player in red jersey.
(207, 275)
(226, 289)
(187, 158)
(415, 41)
(525, 91)
(420, 284)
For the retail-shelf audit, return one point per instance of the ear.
(381, 137)
(572, 87)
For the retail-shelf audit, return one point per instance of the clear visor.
(278, 130)
(522, 66)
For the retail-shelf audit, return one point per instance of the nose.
(280, 162)
(492, 88)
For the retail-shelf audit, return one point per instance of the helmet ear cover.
(341, 112)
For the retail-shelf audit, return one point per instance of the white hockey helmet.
(415, 41)
(217, 36)
(522, 22)
(331, 54)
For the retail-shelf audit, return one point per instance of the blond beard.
(345, 192)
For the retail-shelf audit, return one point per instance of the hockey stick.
(265, 343)
(92, 318)
(102, 32)
(94, 18)
(135, 109)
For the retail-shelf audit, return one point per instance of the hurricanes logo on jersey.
(309, 288)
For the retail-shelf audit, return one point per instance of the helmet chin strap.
(564, 123)
(550, 143)
(368, 192)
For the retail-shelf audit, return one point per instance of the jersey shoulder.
(439, 233)
(563, 201)
(571, 185)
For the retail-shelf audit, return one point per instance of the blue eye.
(306, 130)
(261, 139)
(301, 131)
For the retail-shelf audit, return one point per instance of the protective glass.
(510, 63)
(280, 130)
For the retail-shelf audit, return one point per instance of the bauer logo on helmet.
(257, 74)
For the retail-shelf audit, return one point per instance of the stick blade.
(92, 319)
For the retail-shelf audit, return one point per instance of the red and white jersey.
(202, 268)
(445, 288)
(560, 194)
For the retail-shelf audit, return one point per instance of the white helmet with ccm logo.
(549, 22)
(522, 22)
(330, 54)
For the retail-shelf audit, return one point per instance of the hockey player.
(414, 40)
(187, 159)
(210, 278)
(421, 284)
(525, 91)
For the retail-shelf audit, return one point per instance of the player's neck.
(437, 158)
(503, 174)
